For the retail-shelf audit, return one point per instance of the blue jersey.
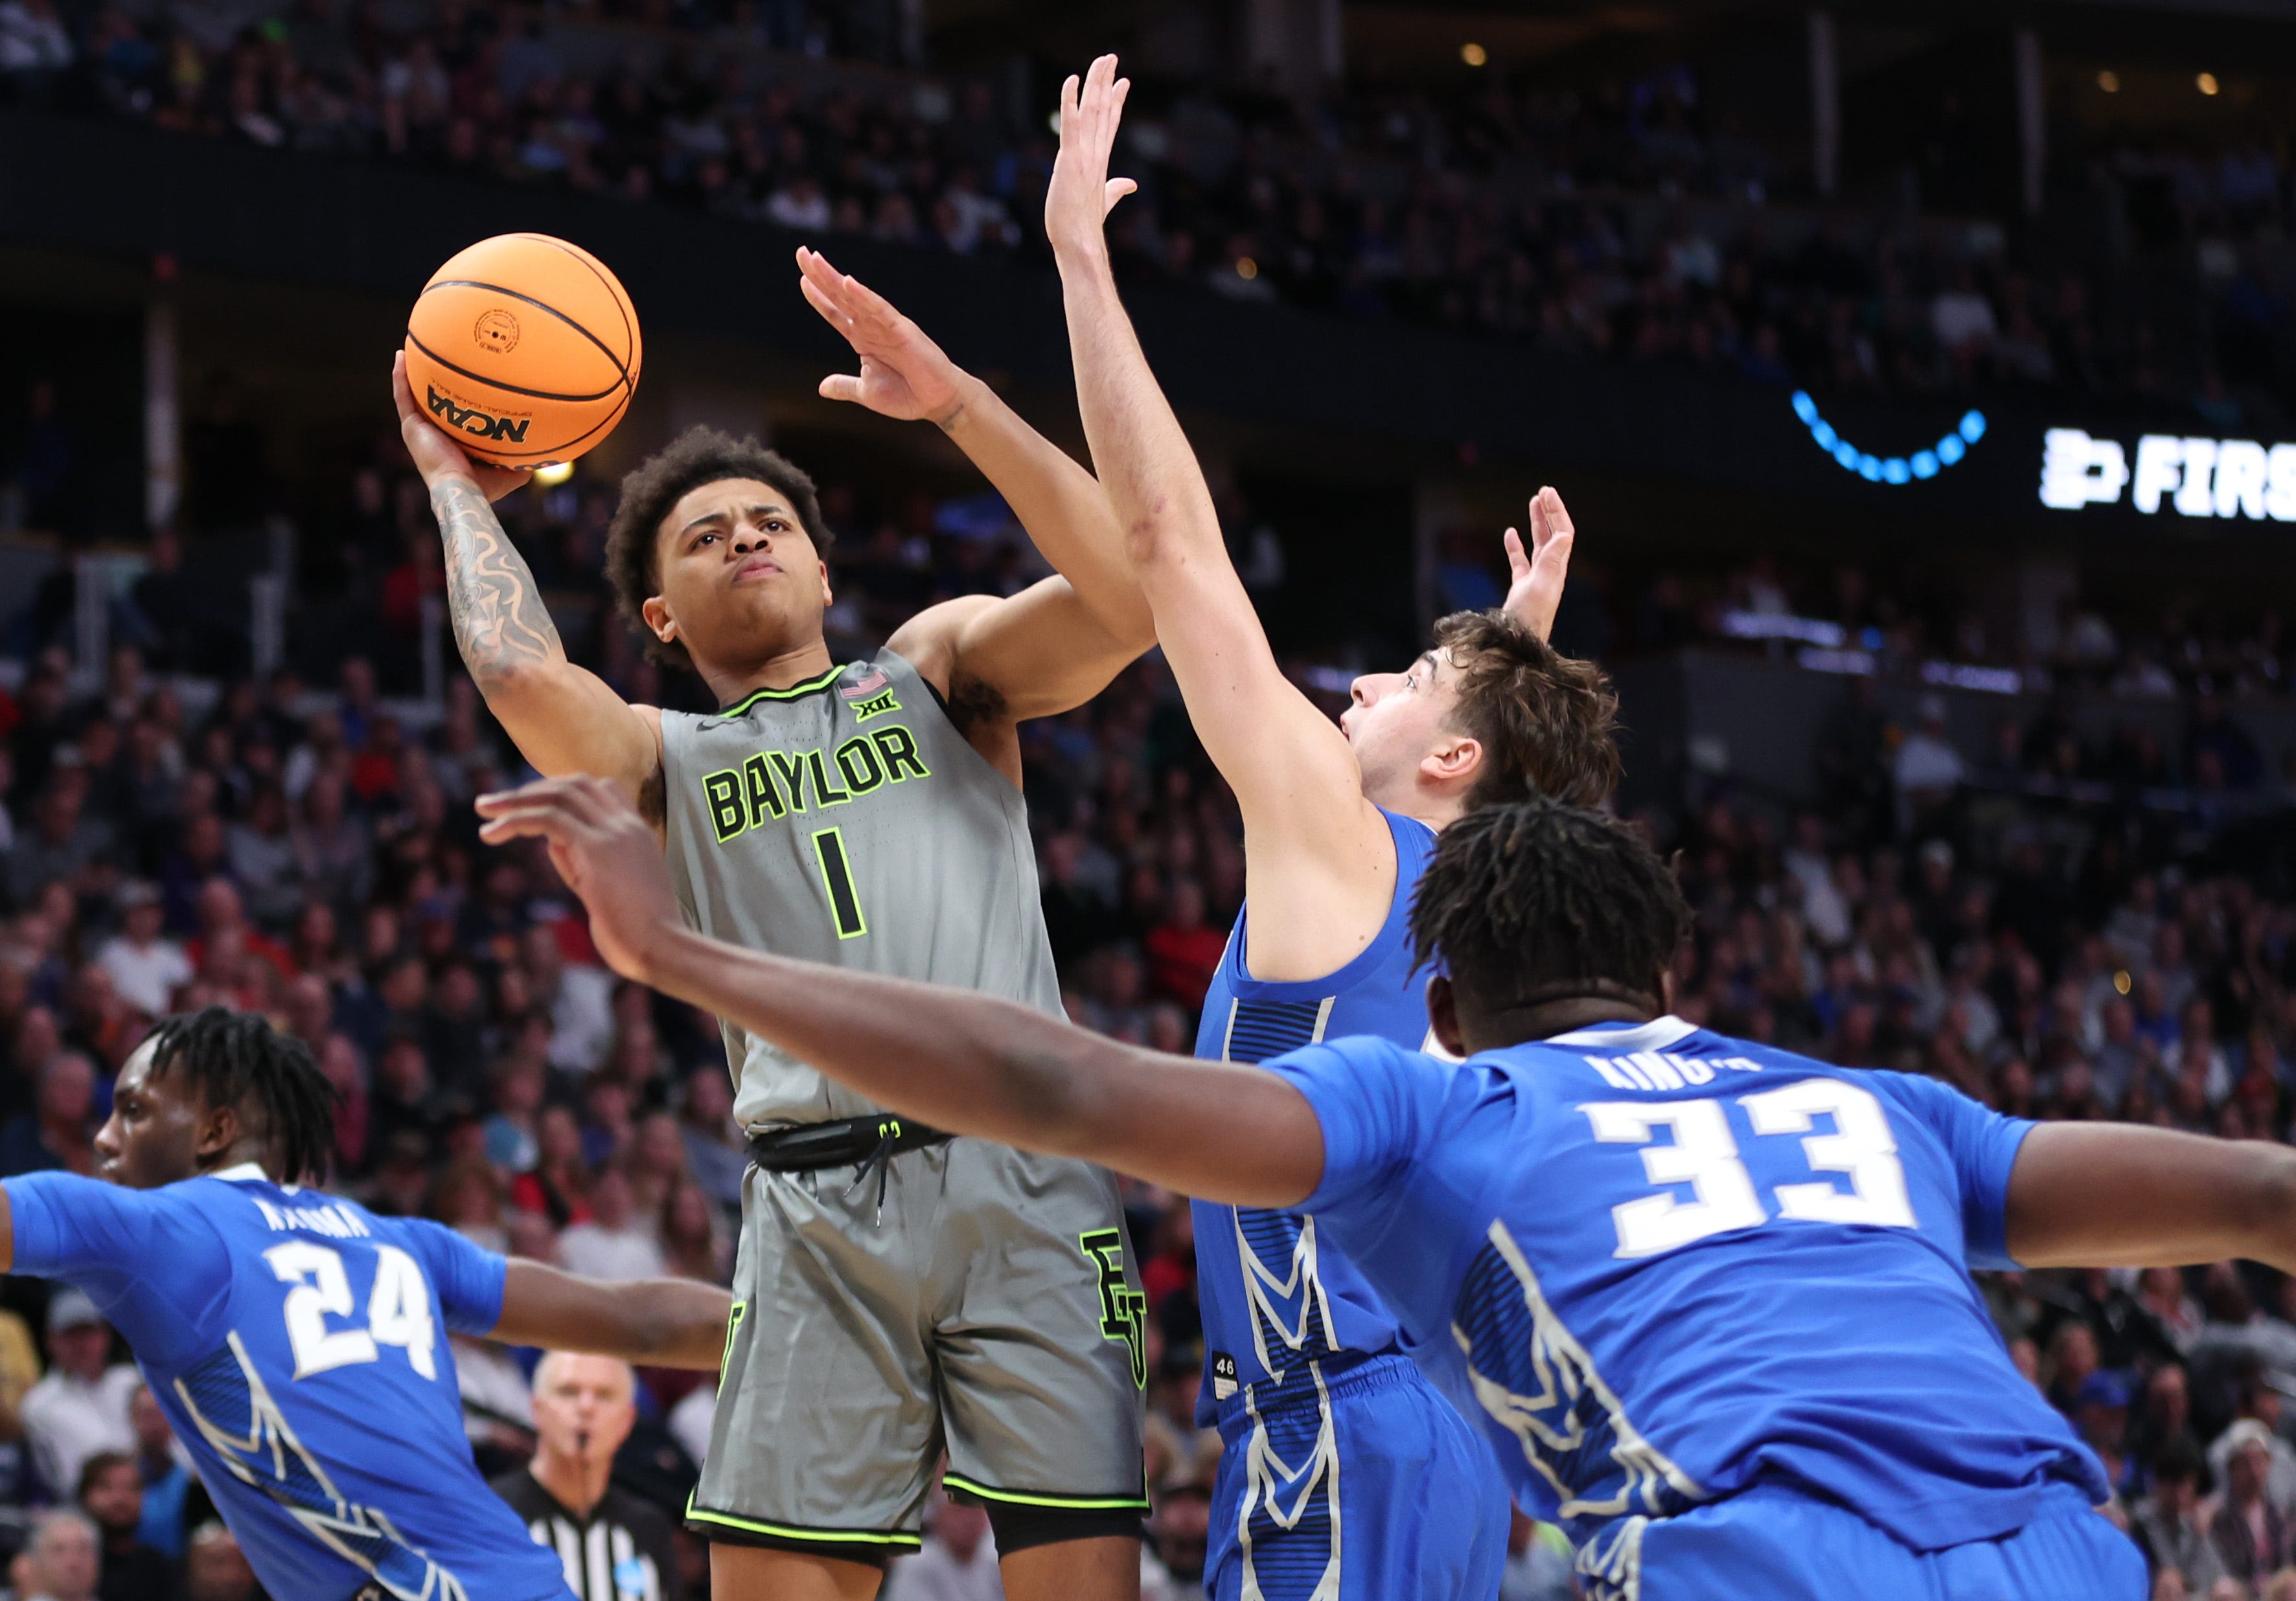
(298, 1345)
(1274, 1296)
(1662, 1267)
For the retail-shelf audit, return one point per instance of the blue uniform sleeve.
(131, 1250)
(468, 1278)
(1983, 1146)
(1379, 1106)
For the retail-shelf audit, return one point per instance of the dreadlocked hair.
(231, 1057)
(1527, 899)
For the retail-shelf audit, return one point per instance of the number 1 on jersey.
(837, 875)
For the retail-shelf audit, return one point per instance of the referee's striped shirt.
(623, 1551)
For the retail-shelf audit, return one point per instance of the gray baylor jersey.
(845, 820)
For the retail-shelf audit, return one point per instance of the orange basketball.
(524, 349)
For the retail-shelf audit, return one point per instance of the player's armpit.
(1040, 653)
(2096, 1195)
(656, 1322)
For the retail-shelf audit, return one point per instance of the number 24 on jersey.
(398, 1309)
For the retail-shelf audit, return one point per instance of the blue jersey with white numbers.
(1661, 1266)
(1273, 1295)
(298, 1345)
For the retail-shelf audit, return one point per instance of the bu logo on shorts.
(1123, 1310)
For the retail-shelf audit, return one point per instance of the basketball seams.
(614, 290)
(509, 388)
(620, 366)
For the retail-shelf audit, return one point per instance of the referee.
(615, 1546)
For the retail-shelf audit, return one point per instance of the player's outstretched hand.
(436, 455)
(1081, 194)
(903, 374)
(1535, 590)
(605, 850)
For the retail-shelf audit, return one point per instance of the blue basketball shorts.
(1362, 1483)
(1775, 1544)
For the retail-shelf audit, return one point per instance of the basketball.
(524, 349)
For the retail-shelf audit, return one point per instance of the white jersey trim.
(1656, 1035)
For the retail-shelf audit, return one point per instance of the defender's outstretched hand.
(607, 855)
(904, 374)
(436, 455)
(1081, 194)
(1535, 592)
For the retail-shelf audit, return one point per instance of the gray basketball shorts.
(995, 1312)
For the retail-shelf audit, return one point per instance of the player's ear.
(218, 1129)
(1443, 1015)
(657, 620)
(827, 599)
(1454, 759)
(1666, 990)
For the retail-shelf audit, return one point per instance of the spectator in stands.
(62, 1562)
(2251, 1533)
(612, 1243)
(166, 1482)
(577, 997)
(714, 1150)
(957, 1560)
(62, 844)
(81, 1408)
(146, 964)
(214, 1569)
(112, 1493)
(2167, 1523)
(1927, 771)
(54, 1134)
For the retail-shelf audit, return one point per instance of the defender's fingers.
(840, 385)
(530, 822)
(816, 273)
(1557, 515)
(1518, 563)
(832, 309)
(550, 791)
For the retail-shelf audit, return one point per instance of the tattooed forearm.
(500, 622)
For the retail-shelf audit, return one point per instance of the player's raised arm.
(1319, 855)
(563, 718)
(2106, 1194)
(905, 376)
(654, 1322)
(962, 1062)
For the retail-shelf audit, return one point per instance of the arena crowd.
(1630, 219)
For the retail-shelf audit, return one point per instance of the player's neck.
(1438, 809)
(577, 1485)
(1521, 1025)
(780, 671)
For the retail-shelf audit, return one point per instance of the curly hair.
(698, 456)
(1532, 900)
(1547, 722)
(231, 1057)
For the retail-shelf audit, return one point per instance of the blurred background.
(1921, 378)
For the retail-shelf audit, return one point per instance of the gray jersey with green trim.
(845, 820)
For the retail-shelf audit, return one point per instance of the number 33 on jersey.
(1704, 1154)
